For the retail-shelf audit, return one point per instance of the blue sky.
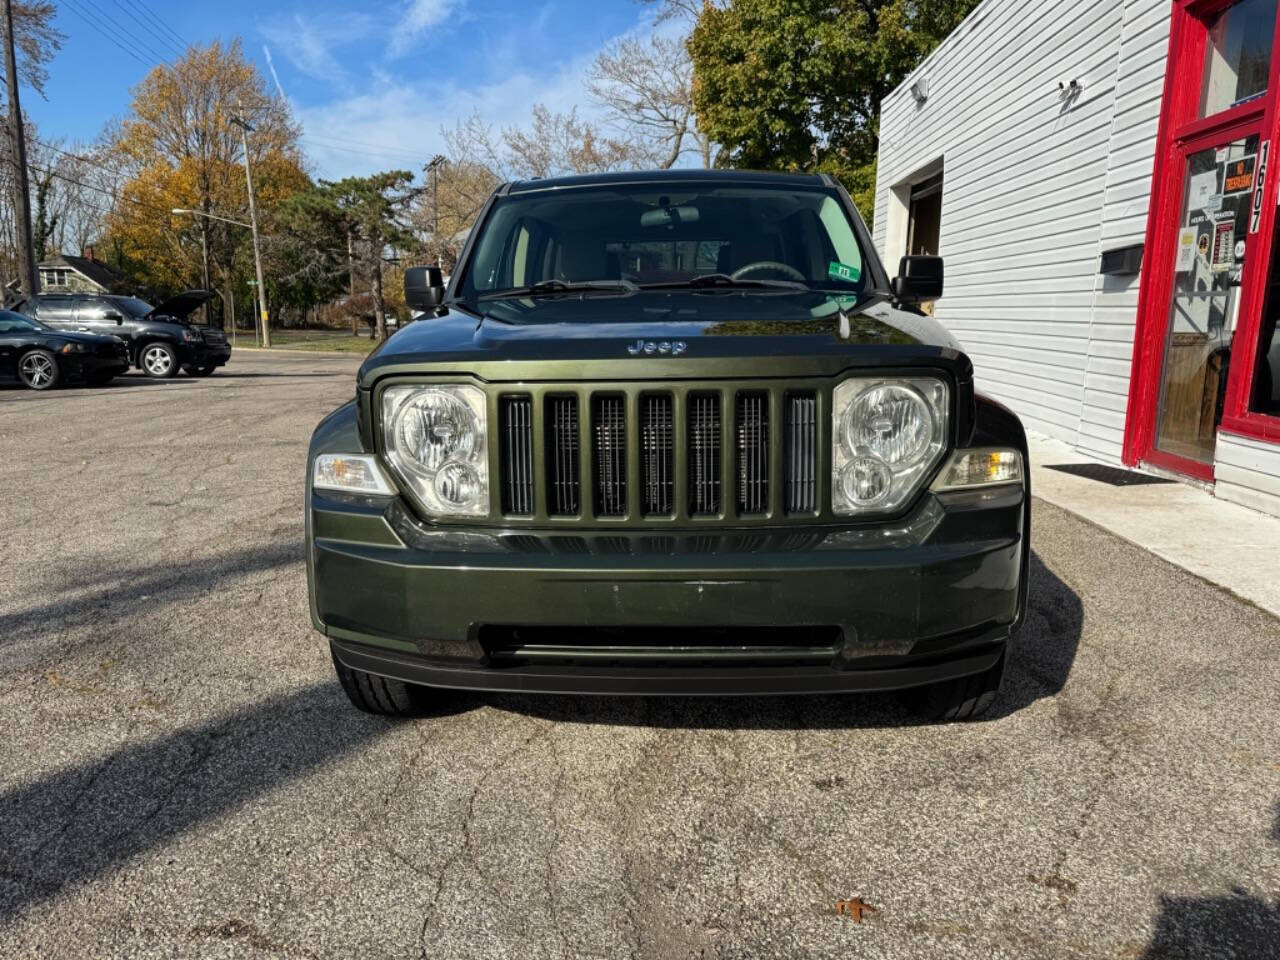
(372, 83)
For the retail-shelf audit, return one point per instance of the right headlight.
(888, 434)
(436, 443)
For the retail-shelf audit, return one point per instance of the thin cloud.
(311, 44)
(271, 65)
(418, 17)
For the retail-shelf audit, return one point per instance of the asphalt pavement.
(181, 776)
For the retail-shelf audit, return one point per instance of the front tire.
(964, 698)
(158, 361)
(38, 370)
(383, 696)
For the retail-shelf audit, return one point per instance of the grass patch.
(340, 341)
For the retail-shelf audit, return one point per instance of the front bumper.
(82, 366)
(204, 354)
(930, 597)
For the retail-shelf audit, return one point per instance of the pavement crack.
(557, 823)
(465, 849)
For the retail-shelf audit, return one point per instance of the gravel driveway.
(180, 775)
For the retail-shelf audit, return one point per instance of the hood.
(181, 306)
(809, 333)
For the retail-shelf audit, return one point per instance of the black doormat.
(1105, 474)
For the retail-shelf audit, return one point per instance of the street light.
(245, 127)
(211, 216)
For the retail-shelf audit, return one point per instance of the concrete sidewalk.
(1233, 547)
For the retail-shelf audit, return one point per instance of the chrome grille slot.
(609, 453)
(564, 481)
(752, 433)
(657, 453)
(515, 424)
(802, 453)
(704, 454)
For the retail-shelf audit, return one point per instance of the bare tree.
(480, 157)
(37, 40)
(685, 11)
(646, 87)
(560, 143)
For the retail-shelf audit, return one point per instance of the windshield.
(659, 237)
(17, 323)
(133, 306)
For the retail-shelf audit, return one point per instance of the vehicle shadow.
(1207, 928)
(84, 589)
(67, 828)
(1040, 662)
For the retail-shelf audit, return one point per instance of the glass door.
(1212, 244)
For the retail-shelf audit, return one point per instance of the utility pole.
(253, 222)
(351, 281)
(28, 281)
(204, 265)
(433, 168)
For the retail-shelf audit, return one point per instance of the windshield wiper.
(724, 281)
(550, 288)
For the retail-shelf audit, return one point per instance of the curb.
(303, 351)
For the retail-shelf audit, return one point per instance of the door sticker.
(1238, 176)
(1186, 251)
(1263, 152)
(1203, 187)
(1224, 244)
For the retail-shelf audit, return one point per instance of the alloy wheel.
(37, 370)
(157, 361)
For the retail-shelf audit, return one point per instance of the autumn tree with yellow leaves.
(182, 150)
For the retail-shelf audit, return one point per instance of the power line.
(364, 143)
(108, 34)
(118, 198)
(365, 153)
(143, 22)
(140, 5)
(122, 29)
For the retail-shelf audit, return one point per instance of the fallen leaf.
(855, 908)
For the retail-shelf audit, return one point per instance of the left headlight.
(887, 434)
(436, 442)
(74, 348)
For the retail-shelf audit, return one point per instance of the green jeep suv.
(669, 433)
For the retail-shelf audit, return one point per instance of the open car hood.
(181, 306)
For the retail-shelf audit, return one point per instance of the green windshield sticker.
(842, 271)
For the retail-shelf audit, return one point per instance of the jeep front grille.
(802, 454)
(515, 421)
(753, 452)
(652, 453)
(704, 454)
(657, 451)
(564, 481)
(609, 452)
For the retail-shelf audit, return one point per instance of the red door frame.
(1179, 133)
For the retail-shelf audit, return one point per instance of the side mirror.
(423, 287)
(918, 279)
(112, 315)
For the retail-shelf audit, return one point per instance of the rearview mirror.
(669, 216)
(918, 279)
(423, 287)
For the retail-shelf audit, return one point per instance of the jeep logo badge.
(650, 347)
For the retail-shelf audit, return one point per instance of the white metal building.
(1023, 150)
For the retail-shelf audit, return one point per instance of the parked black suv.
(161, 340)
